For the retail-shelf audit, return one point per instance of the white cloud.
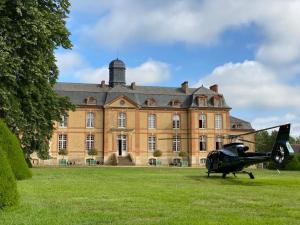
(199, 22)
(250, 84)
(263, 122)
(73, 66)
(69, 61)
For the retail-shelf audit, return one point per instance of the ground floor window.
(176, 143)
(219, 143)
(62, 141)
(202, 161)
(202, 143)
(122, 143)
(90, 139)
(152, 143)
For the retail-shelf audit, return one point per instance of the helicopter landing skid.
(249, 173)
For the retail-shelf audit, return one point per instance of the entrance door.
(122, 145)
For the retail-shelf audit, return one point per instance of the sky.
(251, 49)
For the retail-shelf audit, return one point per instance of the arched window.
(202, 121)
(202, 143)
(219, 143)
(89, 142)
(122, 120)
(151, 121)
(176, 121)
(62, 141)
(90, 120)
(152, 162)
(218, 121)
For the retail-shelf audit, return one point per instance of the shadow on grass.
(228, 180)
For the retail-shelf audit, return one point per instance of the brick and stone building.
(130, 122)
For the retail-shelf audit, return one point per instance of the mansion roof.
(159, 96)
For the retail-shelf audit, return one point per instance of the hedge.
(10, 144)
(8, 187)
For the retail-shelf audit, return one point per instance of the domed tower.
(117, 73)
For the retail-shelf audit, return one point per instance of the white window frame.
(219, 142)
(176, 143)
(90, 142)
(62, 141)
(218, 121)
(202, 143)
(90, 118)
(123, 139)
(151, 121)
(122, 120)
(176, 121)
(64, 121)
(202, 120)
(202, 161)
(152, 143)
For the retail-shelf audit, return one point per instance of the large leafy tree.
(30, 31)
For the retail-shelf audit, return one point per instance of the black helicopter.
(233, 157)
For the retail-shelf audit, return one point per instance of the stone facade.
(132, 121)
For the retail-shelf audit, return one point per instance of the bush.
(157, 153)
(293, 164)
(11, 146)
(8, 187)
(183, 154)
(92, 152)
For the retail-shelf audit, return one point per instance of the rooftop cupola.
(117, 73)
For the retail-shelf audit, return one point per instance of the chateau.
(127, 123)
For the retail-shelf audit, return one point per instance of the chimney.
(133, 85)
(102, 83)
(185, 87)
(214, 88)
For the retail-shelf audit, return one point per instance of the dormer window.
(201, 100)
(150, 102)
(218, 100)
(90, 100)
(175, 103)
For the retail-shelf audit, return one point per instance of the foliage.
(63, 152)
(293, 164)
(8, 186)
(92, 152)
(157, 153)
(264, 141)
(11, 146)
(183, 154)
(30, 32)
(114, 160)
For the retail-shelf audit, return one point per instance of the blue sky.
(251, 49)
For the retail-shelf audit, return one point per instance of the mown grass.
(154, 196)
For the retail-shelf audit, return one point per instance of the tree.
(30, 31)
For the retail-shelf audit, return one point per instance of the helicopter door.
(215, 160)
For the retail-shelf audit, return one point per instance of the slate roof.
(77, 92)
(238, 124)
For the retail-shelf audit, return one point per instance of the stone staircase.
(125, 161)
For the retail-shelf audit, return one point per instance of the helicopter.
(233, 157)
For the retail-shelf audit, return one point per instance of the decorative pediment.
(122, 101)
(218, 100)
(90, 100)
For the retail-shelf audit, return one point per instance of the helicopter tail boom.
(282, 150)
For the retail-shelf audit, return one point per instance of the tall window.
(90, 120)
(176, 143)
(152, 121)
(89, 142)
(64, 121)
(176, 121)
(219, 143)
(62, 141)
(122, 120)
(202, 143)
(218, 121)
(152, 143)
(202, 121)
(122, 142)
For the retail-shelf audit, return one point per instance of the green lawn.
(131, 196)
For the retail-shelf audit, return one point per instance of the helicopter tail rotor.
(282, 150)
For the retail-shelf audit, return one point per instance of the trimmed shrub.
(157, 153)
(183, 154)
(11, 146)
(8, 187)
(294, 164)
